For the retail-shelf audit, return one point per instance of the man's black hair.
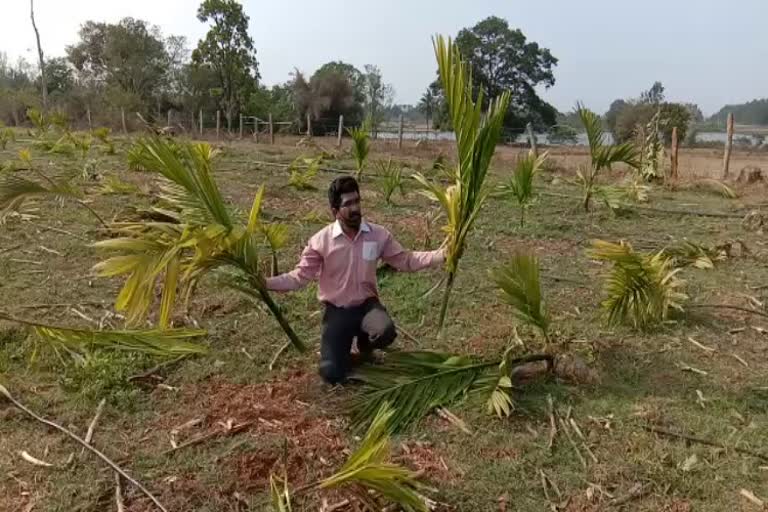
(341, 185)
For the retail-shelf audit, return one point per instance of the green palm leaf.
(361, 146)
(414, 383)
(520, 186)
(521, 288)
(367, 466)
(156, 342)
(641, 289)
(476, 137)
(281, 496)
(15, 190)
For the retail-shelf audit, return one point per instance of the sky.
(708, 52)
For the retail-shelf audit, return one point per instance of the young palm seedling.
(520, 285)
(303, 171)
(103, 136)
(601, 156)
(476, 138)
(641, 289)
(6, 135)
(201, 235)
(520, 186)
(391, 179)
(361, 146)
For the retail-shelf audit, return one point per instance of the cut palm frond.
(520, 186)
(500, 402)
(303, 171)
(391, 179)
(695, 255)
(641, 288)
(15, 190)
(156, 342)
(113, 185)
(476, 138)
(415, 383)
(601, 155)
(361, 146)
(521, 287)
(715, 187)
(368, 467)
(202, 236)
(652, 153)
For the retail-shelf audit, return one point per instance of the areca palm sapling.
(6, 135)
(476, 138)
(361, 146)
(103, 135)
(392, 179)
(303, 171)
(520, 285)
(601, 156)
(201, 235)
(520, 186)
(641, 289)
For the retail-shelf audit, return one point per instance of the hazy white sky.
(710, 52)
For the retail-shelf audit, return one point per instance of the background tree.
(128, 60)
(752, 112)
(654, 95)
(60, 77)
(328, 94)
(228, 50)
(43, 75)
(502, 59)
(378, 95)
(427, 105)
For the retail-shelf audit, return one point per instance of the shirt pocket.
(370, 251)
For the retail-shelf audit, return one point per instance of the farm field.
(702, 374)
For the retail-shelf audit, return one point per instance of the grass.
(640, 376)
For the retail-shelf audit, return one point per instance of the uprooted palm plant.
(520, 285)
(200, 235)
(695, 255)
(361, 146)
(366, 473)
(476, 138)
(416, 383)
(520, 186)
(641, 289)
(601, 156)
(391, 175)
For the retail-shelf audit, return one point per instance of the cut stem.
(444, 303)
(275, 310)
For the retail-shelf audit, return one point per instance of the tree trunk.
(43, 77)
(275, 309)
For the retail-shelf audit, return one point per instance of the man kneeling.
(343, 257)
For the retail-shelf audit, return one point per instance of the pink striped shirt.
(346, 268)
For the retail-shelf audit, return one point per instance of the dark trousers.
(369, 323)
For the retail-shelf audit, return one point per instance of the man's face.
(349, 213)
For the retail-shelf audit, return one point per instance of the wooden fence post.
(122, 116)
(532, 139)
(241, 126)
(400, 134)
(728, 147)
(309, 125)
(218, 123)
(341, 130)
(256, 129)
(168, 120)
(90, 123)
(201, 122)
(674, 154)
(271, 130)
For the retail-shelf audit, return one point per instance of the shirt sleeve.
(393, 254)
(307, 270)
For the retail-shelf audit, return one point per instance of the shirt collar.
(336, 229)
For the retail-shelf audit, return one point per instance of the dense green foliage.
(752, 112)
(502, 59)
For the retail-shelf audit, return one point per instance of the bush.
(633, 115)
